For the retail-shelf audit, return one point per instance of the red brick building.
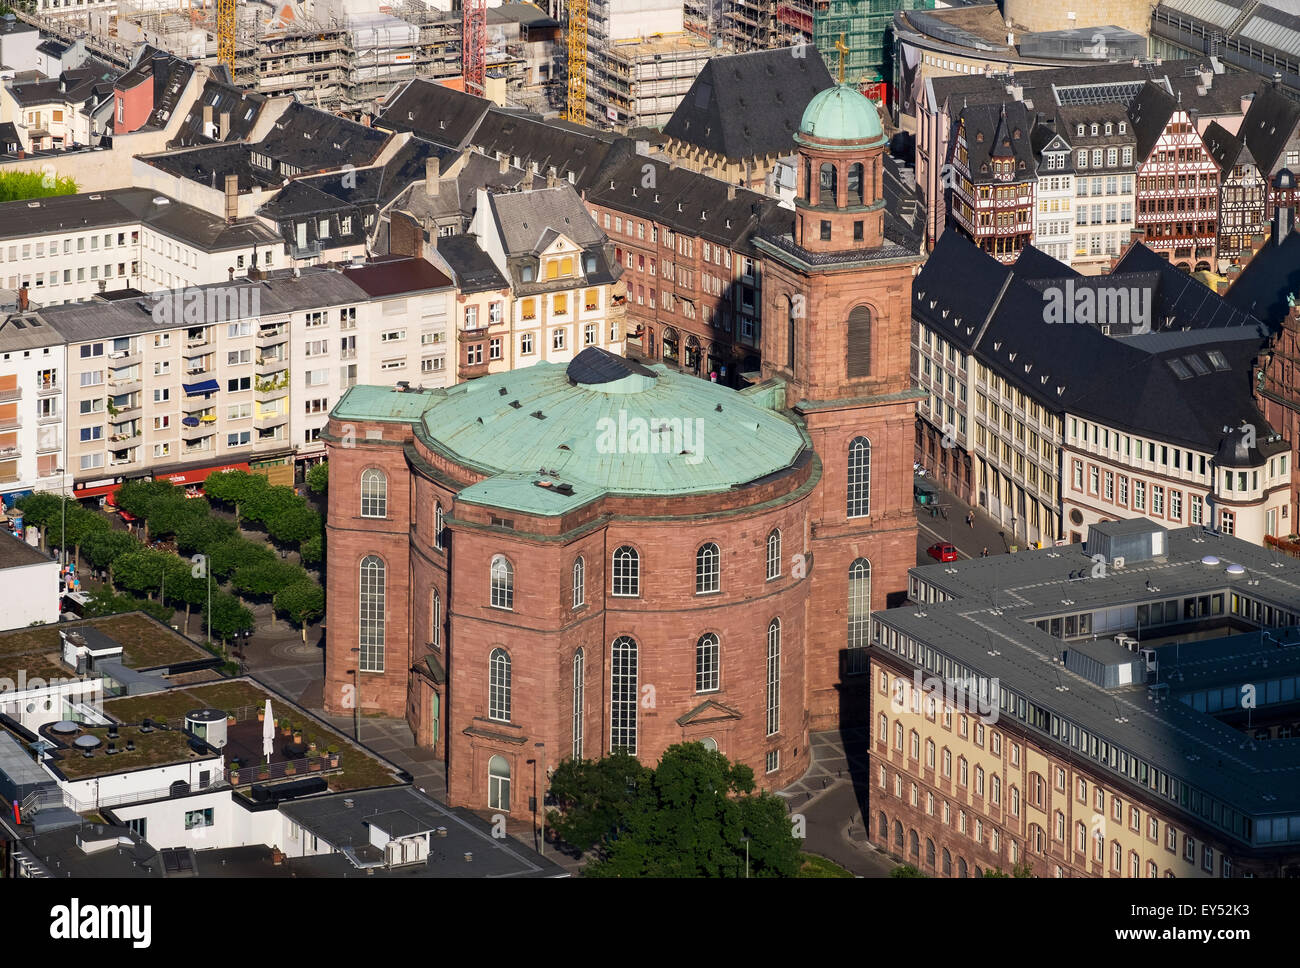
(562, 561)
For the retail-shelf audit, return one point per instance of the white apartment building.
(69, 248)
(393, 328)
(1104, 167)
(32, 367)
(1240, 490)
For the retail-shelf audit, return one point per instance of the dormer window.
(1108, 128)
(1080, 131)
(526, 273)
(1123, 127)
(1094, 129)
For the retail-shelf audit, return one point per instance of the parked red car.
(942, 551)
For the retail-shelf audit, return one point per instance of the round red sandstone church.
(561, 561)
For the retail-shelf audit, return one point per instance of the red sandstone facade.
(848, 378)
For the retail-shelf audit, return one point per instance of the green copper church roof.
(840, 113)
(556, 437)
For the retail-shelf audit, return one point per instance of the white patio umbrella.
(268, 733)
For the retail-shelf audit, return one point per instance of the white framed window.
(372, 602)
(374, 493)
(499, 686)
(626, 573)
(774, 554)
(579, 582)
(708, 568)
(624, 695)
(503, 583)
(708, 663)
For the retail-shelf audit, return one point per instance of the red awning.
(199, 475)
(108, 489)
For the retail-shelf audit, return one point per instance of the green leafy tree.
(905, 870)
(265, 578)
(312, 550)
(594, 798)
(1019, 870)
(302, 602)
(691, 818)
(142, 571)
(102, 548)
(16, 185)
(198, 534)
(296, 525)
(81, 525)
(318, 477)
(169, 513)
(235, 488)
(270, 503)
(137, 498)
(104, 602)
(230, 555)
(228, 617)
(40, 509)
(185, 587)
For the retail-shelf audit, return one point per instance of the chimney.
(1192, 115)
(504, 165)
(431, 177)
(22, 299)
(207, 116)
(552, 176)
(232, 197)
(1277, 79)
(63, 86)
(731, 193)
(225, 126)
(1283, 223)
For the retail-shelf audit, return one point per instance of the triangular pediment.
(708, 711)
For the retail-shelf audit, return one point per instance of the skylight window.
(1197, 364)
(1180, 371)
(1218, 360)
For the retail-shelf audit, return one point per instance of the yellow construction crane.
(226, 35)
(577, 111)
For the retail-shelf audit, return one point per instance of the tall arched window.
(579, 582)
(435, 619)
(856, 191)
(857, 349)
(773, 676)
(437, 527)
(579, 702)
(498, 783)
(372, 609)
(828, 187)
(708, 663)
(374, 493)
(623, 694)
(929, 853)
(792, 314)
(503, 583)
(859, 502)
(947, 863)
(708, 569)
(859, 614)
(499, 686)
(626, 572)
(774, 554)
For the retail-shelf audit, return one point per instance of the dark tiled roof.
(1268, 278)
(994, 313)
(245, 107)
(747, 105)
(473, 269)
(998, 132)
(92, 77)
(1222, 145)
(435, 112)
(395, 276)
(529, 221)
(543, 144)
(1150, 111)
(1272, 120)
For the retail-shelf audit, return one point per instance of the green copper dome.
(840, 113)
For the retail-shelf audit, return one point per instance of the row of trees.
(694, 815)
(248, 568)
(279, 510)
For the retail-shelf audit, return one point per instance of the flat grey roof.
(987, 627)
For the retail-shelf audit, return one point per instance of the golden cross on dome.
(843, 49)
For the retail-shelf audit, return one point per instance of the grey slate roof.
(746, 105)
(529, 220)
(473, 270)
(435, 112)
(1222, 145)
(280, 292)
(542, 144)
(1272, 120)
(245, 107)
(995, 314)
(998, 131)
(1272, 274)
(123, 206)
(987, 627)
(1150, 111)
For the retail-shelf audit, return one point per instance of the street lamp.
(63, 526)
(356, 696)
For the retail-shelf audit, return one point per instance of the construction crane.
(474, 46)
(226, 35)
(577, 107)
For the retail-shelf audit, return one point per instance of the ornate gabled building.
(995, 178)
(565, 560)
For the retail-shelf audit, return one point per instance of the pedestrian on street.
(970, 519)
(985, 552)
